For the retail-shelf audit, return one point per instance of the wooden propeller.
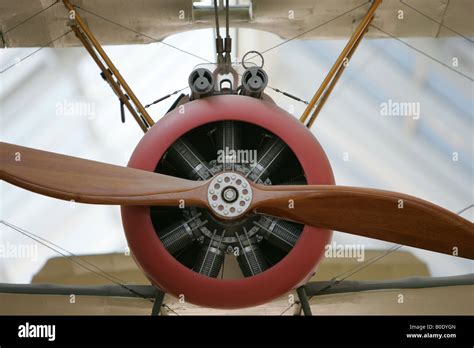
(71, 178)
(378, 214)
(384, 215)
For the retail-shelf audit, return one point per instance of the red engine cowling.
(170, 275)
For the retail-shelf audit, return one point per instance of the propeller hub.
(229, 195)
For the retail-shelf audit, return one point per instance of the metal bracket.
(109, 72)
(323, 92)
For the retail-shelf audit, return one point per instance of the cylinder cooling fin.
(185, 250)
(228, 138)
(197, 238)
(187, 159)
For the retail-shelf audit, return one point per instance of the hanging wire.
(216, 16)
(142, 34)
(65, 253)
(30, 18)
(165, 97)
(335, 280)
(219, 42)
(463, 210)
(286, 94)
(288, 308)
(440, 23)
(423, 53)
(34, 52)
(227, 32)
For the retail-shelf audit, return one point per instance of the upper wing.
(109, 19)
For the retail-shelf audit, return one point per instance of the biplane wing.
(155, 20)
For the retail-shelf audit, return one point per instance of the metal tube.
(160, 295)
(146, 291)
(360, 31)
(312, 288)
(304, 301)
(80, 22)
(327, 287)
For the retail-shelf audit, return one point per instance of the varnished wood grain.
(370, 213)
(378, 214)
(85, 181)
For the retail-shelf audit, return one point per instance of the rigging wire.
(142, 34)
(227, 32)
(219, 41)
(440, 23)
(463, 210)
(30, 18)
(265, 51)
(34, 52)
(289, 95)
(423, 53)
(357, 269)
(312, 29)
(371, 261)
(288, 308)
(165, 97)
(98, 271)
(216, 16)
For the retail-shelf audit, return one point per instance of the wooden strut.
(109, 71)
(323, 92)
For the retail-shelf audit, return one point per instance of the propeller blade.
(384, 215)
(71, 178)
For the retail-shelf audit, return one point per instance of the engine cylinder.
(174, 274)
(177, 236)
(228, 138)
(282, 234)
(185, 158)
(251, 260)
(269, 157)
(209, 261)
